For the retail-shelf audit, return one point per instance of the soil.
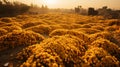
(8, 56)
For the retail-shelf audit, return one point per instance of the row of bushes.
(70, 51)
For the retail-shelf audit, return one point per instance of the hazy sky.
(114, 4)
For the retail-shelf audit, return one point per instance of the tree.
(8, 8)
(77, 9)
(92, 11)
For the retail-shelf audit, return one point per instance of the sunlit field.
(59, 33)
(59, 40)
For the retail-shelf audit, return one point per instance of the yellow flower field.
(59, 40)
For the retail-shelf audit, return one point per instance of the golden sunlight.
(50, 2)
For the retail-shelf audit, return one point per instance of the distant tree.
(42, 6)
(104, 7)
(91, 11)
(77, 9)
(35, 9)
(46, 7)
(109, 13)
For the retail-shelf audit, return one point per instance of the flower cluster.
(17, 38)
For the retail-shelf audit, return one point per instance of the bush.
(97, 57)
(65, 26)
(98, 28)
(113, 22)
(70, 26)
(6, 19)
(22, 17)
(3, 32)
(54, 27)
(111, 28)
(88, 30)
(31, 24)
(116, 35)
(86, 26)
(17, 38)
(11, 28)
(75, 26)
(66, 40)
(59, 32)
(110, 47)
(10, 24)
(68, 47)
(62, 51)
(41, 29)
(43, 59)
(2, 23)
(104, 35)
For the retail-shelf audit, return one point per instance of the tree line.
(104, 11)
(8, 8)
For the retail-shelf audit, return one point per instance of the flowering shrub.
(88, 30)
(78, 34)
(86, 26)
(35, 55)
(104, 34)
(17, 38)
(31, 24)
(116, 35)
(98, 28)
(6, 19)
(112, 28)
(11, 28)
(69, 40)
(3, 31)
(41, 29)
(10, 24)
(113, 22)
(59, 51)
(110, 47)
(97, 57)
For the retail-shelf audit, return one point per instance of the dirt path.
(8, 56)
